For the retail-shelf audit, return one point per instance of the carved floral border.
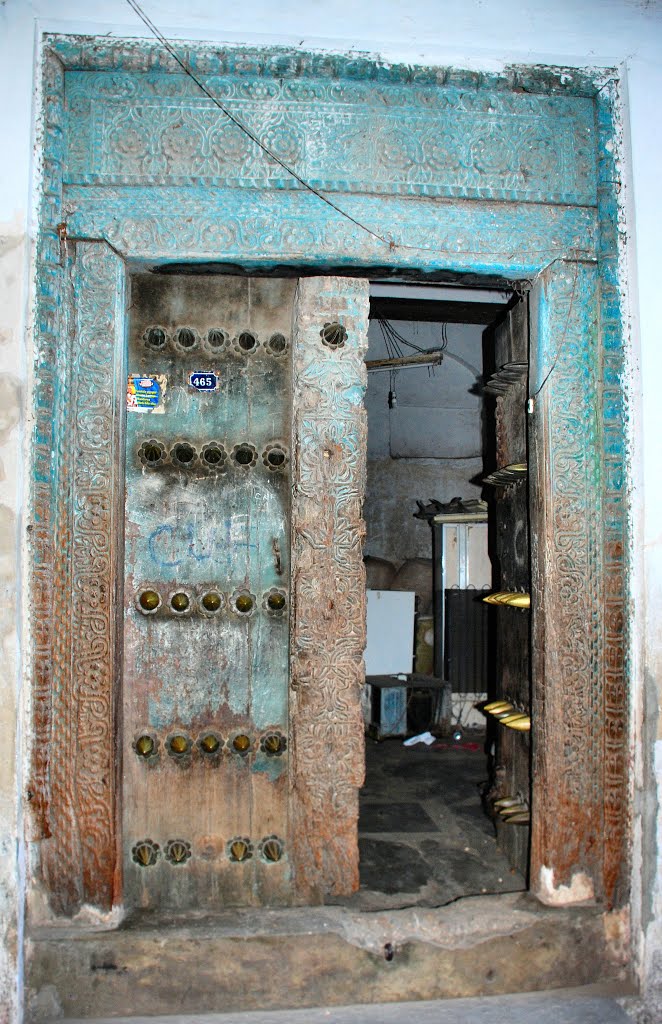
(328, 585)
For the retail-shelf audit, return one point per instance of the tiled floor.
(424, 837)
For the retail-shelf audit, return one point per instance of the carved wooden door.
(511, 559)
(205, 687)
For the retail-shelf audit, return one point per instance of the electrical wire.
(393, 340)
(244, 128)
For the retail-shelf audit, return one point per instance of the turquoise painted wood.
(207, 591)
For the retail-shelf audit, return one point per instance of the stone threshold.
(270, 959)
(592, 1004)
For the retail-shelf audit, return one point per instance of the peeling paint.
(580, 890)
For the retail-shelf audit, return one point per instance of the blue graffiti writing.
(172, 545)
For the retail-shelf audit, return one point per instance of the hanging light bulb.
(392, 397)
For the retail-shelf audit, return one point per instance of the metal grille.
(465, 641)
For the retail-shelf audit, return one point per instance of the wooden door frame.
(549, 225)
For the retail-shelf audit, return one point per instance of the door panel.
(207, 592)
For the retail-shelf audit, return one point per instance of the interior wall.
(429, 445)
(477, 34)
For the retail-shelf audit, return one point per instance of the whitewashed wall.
(429, 445)
(480, 34)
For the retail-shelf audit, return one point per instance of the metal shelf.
(511, 474)
(506, 377)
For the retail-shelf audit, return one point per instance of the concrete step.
(561, 1007)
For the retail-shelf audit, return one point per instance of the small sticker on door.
(203, 380)
(145, 393)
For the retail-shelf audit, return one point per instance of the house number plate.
(203, 381)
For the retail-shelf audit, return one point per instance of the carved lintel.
(440, 142)
(222, 224)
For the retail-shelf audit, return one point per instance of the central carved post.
(328, 585)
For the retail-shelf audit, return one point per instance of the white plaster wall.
(429, 445)
(483, 34)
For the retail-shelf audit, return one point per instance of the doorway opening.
(438, 820)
